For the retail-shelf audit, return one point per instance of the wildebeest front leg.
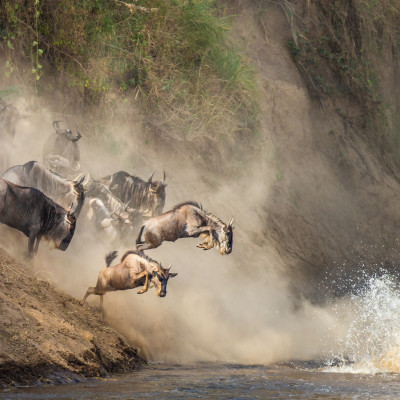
(38, 238)
(146, 283)
(203, 230)
(206, 240)
(31, 245)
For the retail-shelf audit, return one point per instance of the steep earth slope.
(48, 336)
(331, 197)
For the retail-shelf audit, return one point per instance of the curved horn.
(80, 180)
(231, 221)
(169, 267)
(165, 177)
(71, 217)
(151, 177)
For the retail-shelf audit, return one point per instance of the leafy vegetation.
(338, 46)
(172, 55)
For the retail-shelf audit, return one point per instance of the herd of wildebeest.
(44, 201)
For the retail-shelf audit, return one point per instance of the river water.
(293, 380)
(364, 364)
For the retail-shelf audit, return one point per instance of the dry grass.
(173, 56)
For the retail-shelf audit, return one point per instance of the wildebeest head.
(127, 219)
(66, 133)
(10, 115)
(121, 221)
(63, 232)
(223, 237)
(157, 192)
(160, 280)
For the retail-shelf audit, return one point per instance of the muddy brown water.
(224, 381)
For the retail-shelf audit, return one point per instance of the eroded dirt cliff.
(47, 336)
(332, 203)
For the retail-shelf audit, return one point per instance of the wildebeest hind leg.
(90, 291)
(144, 246)
(37, 245)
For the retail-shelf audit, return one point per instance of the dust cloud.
(235, 308)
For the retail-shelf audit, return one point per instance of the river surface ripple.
(223, 381)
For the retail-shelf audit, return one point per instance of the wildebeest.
(62, 191)
(112, 225)
(146, 196)
(113, 204)
(36, 215)
(9, 117)
(134, 270)
(186, 219)
(61, 151)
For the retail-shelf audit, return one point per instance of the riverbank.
(47, 336)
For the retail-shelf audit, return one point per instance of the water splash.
(371, 343)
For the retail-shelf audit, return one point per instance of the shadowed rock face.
(328, 197)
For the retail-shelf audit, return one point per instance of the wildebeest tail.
(110, 257)
(138, 240)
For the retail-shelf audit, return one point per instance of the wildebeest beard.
(67, 240)
(51, 225)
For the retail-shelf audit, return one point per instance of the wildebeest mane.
(49, 181)
(210, 216)
(136, 189)
(215, 219)
(188, 203)
(140, 254)
(130, 188)
(51, 213)
(100, 191)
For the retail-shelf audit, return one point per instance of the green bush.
(175, 54)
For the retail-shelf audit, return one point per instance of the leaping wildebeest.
(62, 191)
(134, 270)
(61, 151)
(36, 215)
(146, 196)
(186, 219)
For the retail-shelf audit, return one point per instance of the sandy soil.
(47, 336)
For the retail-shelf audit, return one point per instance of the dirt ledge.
(47, 336)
